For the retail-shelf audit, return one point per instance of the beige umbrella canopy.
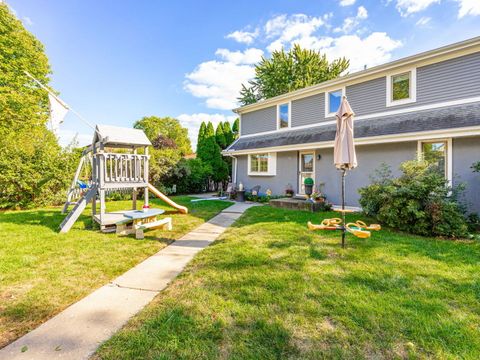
(344, 156)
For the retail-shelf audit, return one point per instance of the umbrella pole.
(343, 207)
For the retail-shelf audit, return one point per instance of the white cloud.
(245, 37)
(423, 21)
(219, 81)
(289, 28)
(249, 56)
(347, 2)
(408, 7)
(468, 7)
(362, 13)
(371, 50)
(351, 23)
(192, 123)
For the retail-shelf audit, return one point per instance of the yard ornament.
(345, 158)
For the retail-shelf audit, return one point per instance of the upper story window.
(262, 164)
(401, 88)
(333, 99)
(283, 116)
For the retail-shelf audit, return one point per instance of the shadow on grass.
(49, 218)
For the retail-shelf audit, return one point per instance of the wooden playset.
(113, 164)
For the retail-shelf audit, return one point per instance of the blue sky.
(116, 61)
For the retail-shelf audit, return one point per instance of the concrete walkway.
(77, 331)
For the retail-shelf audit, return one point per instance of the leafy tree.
(236, 127)
(290, 70)
(227, 131)
(220, 136)
(162, 142)
(154, 126)
(34, 169)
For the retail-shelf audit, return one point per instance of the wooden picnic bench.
(137, 221)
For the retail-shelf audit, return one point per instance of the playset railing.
(122, 168)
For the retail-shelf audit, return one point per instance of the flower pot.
(308, 189)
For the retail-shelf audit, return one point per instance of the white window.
(439, 154)
(262, 164)
(402, 87)
(333, 99)
(283, 116)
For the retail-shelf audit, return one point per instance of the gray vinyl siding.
(287, 173)
(368, 97)
(449, 80)
(259, 121)
(465, 152)
(308, 111)
(444, 81)
(370, 158)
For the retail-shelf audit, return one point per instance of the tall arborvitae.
(211, 154)
(220, 136)
(201, 136)
(227, 131)
(236, 127)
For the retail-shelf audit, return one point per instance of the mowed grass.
(270, 289)
(42, 271)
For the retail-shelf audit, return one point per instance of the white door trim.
(300, 153)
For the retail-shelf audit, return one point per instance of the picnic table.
(137, 221)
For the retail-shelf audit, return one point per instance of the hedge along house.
(423, 105)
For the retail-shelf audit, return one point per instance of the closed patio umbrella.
(344, 156)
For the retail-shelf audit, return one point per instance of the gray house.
(423, 105)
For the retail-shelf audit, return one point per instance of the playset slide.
(166, 199)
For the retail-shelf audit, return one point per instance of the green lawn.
(270, 289)
(42, 271)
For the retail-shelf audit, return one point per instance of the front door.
(306, 168)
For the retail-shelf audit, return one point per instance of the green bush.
(189, 176)
(419, 201)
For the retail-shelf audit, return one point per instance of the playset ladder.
(77, 210)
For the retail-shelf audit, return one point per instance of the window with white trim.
(333, 99)
(438, 154)
(283, 116)
(262, 164)
(402, 88)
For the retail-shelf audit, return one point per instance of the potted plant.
(318, 197)
(308, 182)
(289, 191)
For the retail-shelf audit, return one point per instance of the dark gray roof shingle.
(419, 121)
